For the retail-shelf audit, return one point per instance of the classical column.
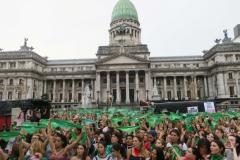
(4, 95)
(185, 87)
(92, 91)
(220, 85)
(82, 90)
(146, 84)
(63, 91)
(73, 90)
(155, 82)
(45, 86)
(118, 88)
(195, 87)
(29, 88)
(97, 86)
(136, 87)
(108, 81)
(54, 90)
(165, 88)
(237, 85)
(14, 89)
(127, 87)
(175, 87)
(205, 87)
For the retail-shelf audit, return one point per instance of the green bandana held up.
(129, 129)
(6, 136)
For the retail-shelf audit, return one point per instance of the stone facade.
(124, 71)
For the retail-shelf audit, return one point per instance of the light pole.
(98, 99)
(107, 99)
(137, 96)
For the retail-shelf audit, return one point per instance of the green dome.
(124, 9)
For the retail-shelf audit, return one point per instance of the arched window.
(11, 82)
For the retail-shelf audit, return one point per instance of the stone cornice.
(108, 50)
(176, 59)
(13, 55)
(224, 64)
(224, 47)
(179, 69)
(69, 73)
(21, 71)
(141, 60)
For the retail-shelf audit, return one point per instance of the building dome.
(124, 9)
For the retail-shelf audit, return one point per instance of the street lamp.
(107, 99)
(98, 99)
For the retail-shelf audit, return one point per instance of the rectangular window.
(131, 80)
(60, 97)
(141, 80)
(20, 82)
(231, 90)
(70, 96)
(199, 94)
(122, 80)
(179, 95)
(1, 81)
(168, 82)
(11, 82)
(12, 65)
(230, 76)
(19, 95)
(178, 82)
(79, 84)
(114, 80)
(33, 95)
(169, 95)
(158, 82)
(1, 96)
(9, 95)
(79, 97)
(104, 80)
(189, 94)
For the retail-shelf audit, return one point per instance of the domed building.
(123, 72)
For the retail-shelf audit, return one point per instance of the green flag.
(8, 135)
(128, 129)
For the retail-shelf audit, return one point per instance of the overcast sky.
(73, 29)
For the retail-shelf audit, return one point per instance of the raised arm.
(50, 139)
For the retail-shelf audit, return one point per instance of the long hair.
(84, 156)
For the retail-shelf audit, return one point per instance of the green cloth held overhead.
(6, 136)
(128, 129)
(55, 123)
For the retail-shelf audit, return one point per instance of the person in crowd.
(203, 147)
(81, 153)
(157, 154)
(116, 152)
(59, 145)
(217, 150)
(102, 155)
(138, 151)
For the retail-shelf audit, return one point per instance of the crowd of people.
(100, 135)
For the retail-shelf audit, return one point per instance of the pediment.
(122, 59)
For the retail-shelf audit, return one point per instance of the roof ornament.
(226, 38)
(25, 46)
(217, 41)
(25, 42)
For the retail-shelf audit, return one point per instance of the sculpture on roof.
(25, 41)
(226, 38)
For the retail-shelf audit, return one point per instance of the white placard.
(192, 110)
(209, 107)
